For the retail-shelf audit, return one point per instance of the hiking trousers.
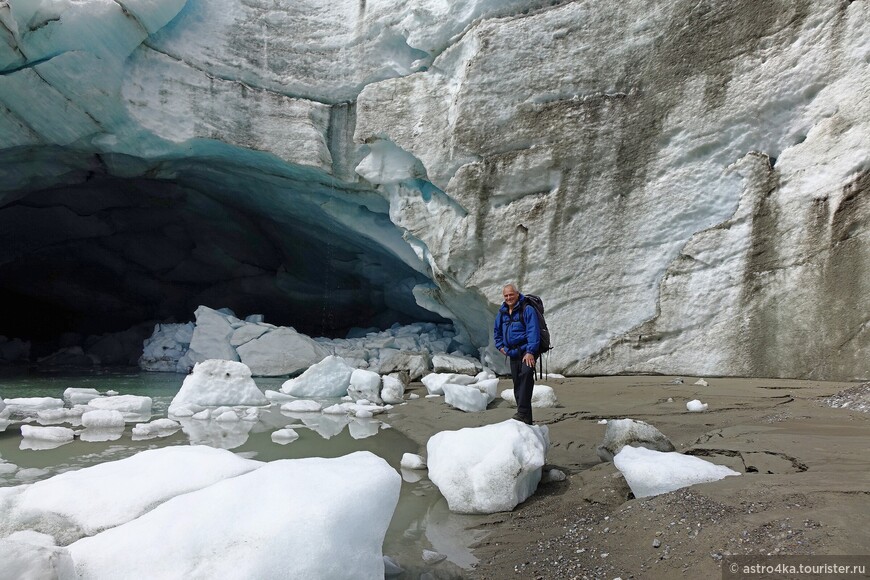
(524, 384)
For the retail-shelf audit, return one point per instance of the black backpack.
(538, 304)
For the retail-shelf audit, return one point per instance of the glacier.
(685, 183)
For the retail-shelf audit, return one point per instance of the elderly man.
(517, 335)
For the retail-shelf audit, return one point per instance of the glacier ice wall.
(685, 183)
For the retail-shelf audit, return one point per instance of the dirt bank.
(805, 487)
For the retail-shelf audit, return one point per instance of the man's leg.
(524, 384)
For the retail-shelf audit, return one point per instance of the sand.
(804, 488)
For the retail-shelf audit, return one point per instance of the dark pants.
(524, 383)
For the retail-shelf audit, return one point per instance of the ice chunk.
(487, 469)
(31, 405)
(157, 428)
(281, 352)
(543, 396)
(393, 390)
(109, 494)
(413, 461)
(298, 515)
(80, 395)
(284, 436)
(328, 378)
(53, 434)
(103, 418)
(365, 384)
(131, 406)
(302, 406)
(434, 382)
(33, 556)
(650, 473)
(696, 406)
(465, 398)
(446, 363)
(55, 416)
(218, 382)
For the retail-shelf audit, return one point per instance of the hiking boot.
(522, 418)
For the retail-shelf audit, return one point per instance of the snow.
(328, 378)
(650, 473)
(300, 515)
(218, 382)
(487, 469)
(32, 556)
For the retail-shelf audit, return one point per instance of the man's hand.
(529, 359)
(503, 351)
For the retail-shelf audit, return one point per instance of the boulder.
(622, 432)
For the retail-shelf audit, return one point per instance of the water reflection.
(221, 434)
(97, 434)
(33, 444)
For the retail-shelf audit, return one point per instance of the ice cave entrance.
(98, 243)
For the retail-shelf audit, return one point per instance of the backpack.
(538, 304)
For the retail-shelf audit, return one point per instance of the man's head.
(510, 294)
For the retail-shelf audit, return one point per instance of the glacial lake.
(421, 520)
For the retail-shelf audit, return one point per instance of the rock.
(622, 432)
(445, 363)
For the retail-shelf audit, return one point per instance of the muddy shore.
(804, 488)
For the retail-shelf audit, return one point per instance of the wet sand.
(804, 488)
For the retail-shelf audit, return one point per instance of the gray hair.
(512, 286)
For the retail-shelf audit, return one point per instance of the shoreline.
(804, 486)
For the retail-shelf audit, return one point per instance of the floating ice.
(156, 428)
(302, 406)
(218, 382)
(31, 405)
(487, 469)
(131, 406)
(650, 473)
(702, 383)
(543, 396)
(80, 395)
(284, 436)
(413, 461)
(297, 515)
(696, 406)
(104, 418)
(53, 434)
(328, 378)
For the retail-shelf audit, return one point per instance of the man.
(517, 335)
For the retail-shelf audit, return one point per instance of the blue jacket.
(512, 335)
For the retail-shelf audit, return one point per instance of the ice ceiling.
(108, 241)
